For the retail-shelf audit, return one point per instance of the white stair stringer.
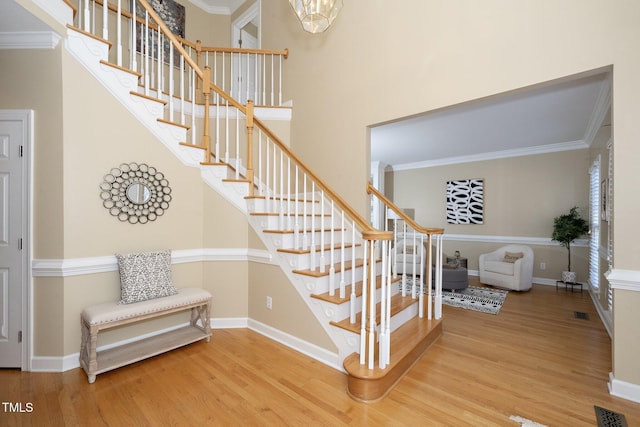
(89, 52)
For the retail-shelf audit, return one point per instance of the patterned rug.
(485, 300)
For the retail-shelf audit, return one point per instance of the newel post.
(206, 91)
(250, 145)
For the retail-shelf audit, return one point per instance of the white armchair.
(407, 254)
(509, 267)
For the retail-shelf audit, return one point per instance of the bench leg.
(88, 346)
(201, 313)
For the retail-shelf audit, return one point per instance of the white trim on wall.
(628, 280)
(624, 389)
(104, 264)
(522, 240)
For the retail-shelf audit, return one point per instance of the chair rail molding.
(628, 280)
(104, 264)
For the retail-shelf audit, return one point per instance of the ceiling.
(552, 117)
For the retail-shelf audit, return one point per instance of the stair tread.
(308, 214)
(278, 198)
(398, 303)
(187, 127)
(289, 231)
(404, 340)
(335, 299)
(151, 98)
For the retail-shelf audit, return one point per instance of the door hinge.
(19, 336)
(20, 151)
(20, 244)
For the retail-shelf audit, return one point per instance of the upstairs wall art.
(173, 15)
(465, 201)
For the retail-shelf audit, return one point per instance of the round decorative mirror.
(136, 193)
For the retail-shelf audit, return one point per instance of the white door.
(12, 241)
(244, 70)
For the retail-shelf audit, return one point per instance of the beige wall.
(289, 312)
(24, 84)
(522, 195)
(389, 61)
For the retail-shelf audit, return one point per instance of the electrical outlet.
(269, 303)
(543, 266)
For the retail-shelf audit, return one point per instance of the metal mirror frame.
(122, 187)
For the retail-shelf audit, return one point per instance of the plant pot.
(569, 276)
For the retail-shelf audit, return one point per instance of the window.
(594, 224)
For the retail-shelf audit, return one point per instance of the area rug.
(485, 300)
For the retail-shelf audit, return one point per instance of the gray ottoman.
(453, 278)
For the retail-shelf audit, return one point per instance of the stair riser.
(287, 240)
(338, 312)
(292, 222)
(320, 285)
(304, 261)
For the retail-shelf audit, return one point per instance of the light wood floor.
(534, 360)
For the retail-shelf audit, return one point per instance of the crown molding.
(215, 10)
(529, 151)
(29, 40)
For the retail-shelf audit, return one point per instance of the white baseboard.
(72, 361)
(230, 323)
(624, 389)
(318, 353)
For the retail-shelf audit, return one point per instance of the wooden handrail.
(198, 46)
(339, 201)
(72, 6)
(372, 190)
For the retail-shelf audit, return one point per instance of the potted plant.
(567, 228)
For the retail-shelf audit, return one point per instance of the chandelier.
(316, 15)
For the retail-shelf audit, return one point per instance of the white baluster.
(272, 94)
(312, 251)
(133, 36)
(382, 338)
(363, 312)
(422, 279)
(260, 180)
(87, 17)
(171, 82)
(413, 266)
(147, 77)
(105, 20)
(281, 225)
(119, 33)
(372, 305)
(305, 237)
(352, 309)
(438, 301)
(280, 83)
(296, 228)
(342, 256)
(237, 144)
(288, 204)
(332, 270)
(323, 267)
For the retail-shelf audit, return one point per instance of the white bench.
(104, 316)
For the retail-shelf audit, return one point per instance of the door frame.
(243, 19)
(27, 119)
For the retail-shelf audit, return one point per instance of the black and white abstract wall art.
(465, 201)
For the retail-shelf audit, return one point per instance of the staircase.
(337, 262)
